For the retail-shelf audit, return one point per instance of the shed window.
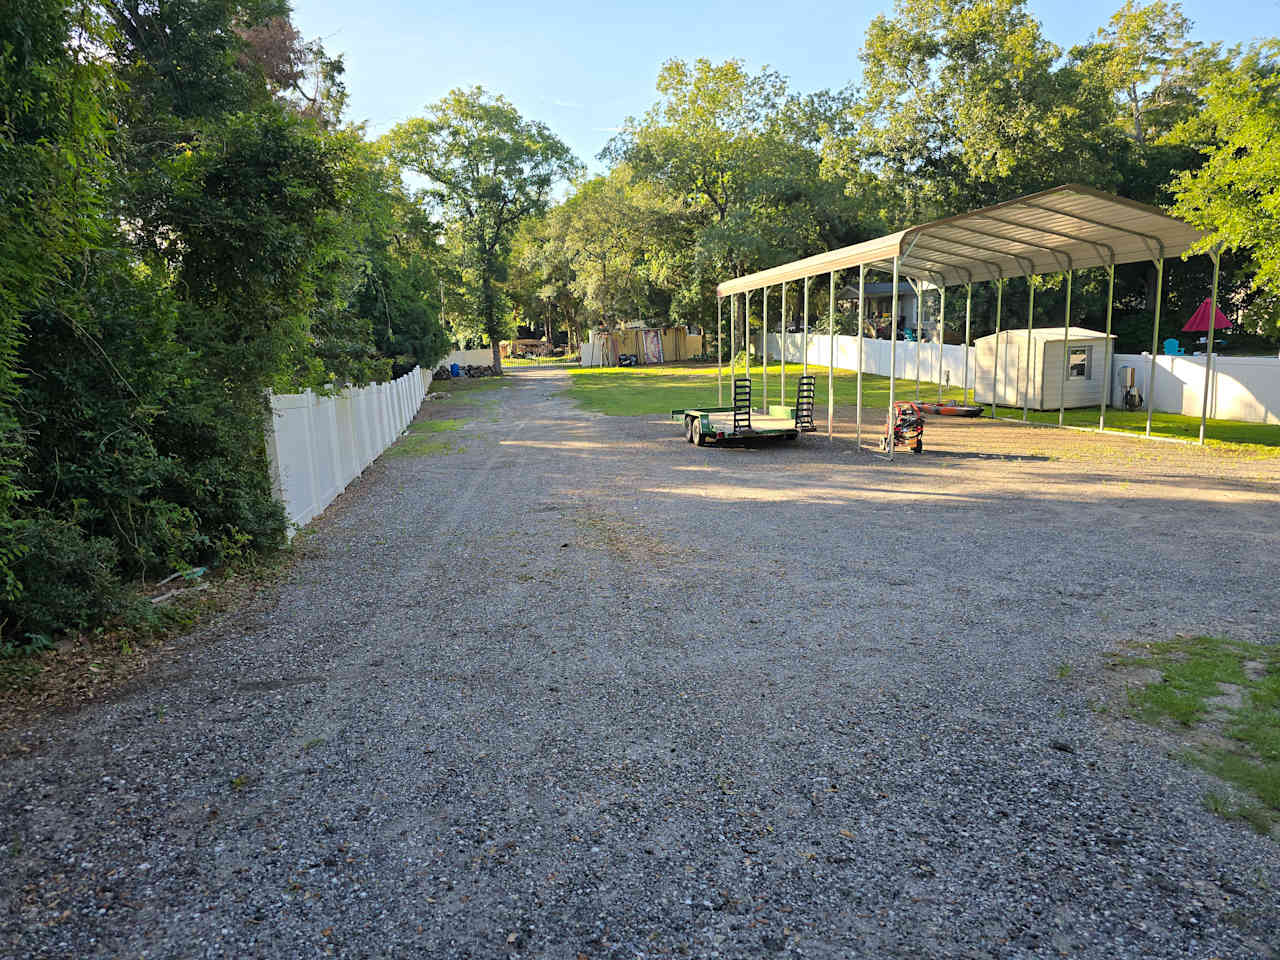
(1080, 366)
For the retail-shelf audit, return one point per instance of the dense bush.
(72, 577)
(180, 229)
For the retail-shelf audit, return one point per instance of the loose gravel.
(579, 689)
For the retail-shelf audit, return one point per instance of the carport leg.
(862, 304)
(746, 334)
(1066, 355)
(719, 353)
(968, 313)
(918, 287)
(804, 359)
(1155, 341)
(733, 335)
(1208, 360)
(782, 346)
(1031, 325)
(995, 368)
(893, 356)
(831, 356)
(942, 321)
(764, 351)
(1106, 349)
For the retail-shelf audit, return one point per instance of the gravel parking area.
(580, 689)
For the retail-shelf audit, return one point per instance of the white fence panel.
(1241, 388)
(318, 444)
(481, 357)
(875, 356)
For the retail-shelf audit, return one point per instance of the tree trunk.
(490, 320)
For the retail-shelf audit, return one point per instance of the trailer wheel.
(698, 438)
(919, 447)
(688, 429)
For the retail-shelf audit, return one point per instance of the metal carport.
(1061, 230)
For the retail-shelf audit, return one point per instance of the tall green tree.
(731, 163)
(490, 169)
(54, 129)
(965, 103)
(1147, 58)
(1235, 194)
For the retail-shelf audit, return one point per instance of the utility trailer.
(740, 424)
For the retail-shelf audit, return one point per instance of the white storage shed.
(1041, 384)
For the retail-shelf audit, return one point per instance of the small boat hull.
(951, 410)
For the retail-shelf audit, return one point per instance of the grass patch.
(420, 445)
(636, 391)
(541, 362)
(434, 426)
(422, 439)
(1230, 689)
(461, 385)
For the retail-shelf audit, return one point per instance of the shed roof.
(1071, 227)
(1049, 334)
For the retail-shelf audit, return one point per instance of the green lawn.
(632, 391)
(541, 361)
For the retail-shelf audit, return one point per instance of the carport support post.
(1208, 360)
(831, 356)
(782, 346)
(968, 313)
(918, 286)
(1155, 340)
(1031, 325)
(942, 321)
(893, 357)
(995, 367)
(1106, 349)
(764, 351)
(733, 334)
(719, 353)
(805, 349)
(746, 333)
(1066, 355)
(862, 305)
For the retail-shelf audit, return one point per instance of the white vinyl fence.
(1241, 388)
(481, 357)
(875, 357)
(318, 444)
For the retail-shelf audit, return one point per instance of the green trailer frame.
(739, 424)
(703, 425)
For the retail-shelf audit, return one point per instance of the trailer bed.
(715, 425)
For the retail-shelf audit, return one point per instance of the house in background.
(880, 309)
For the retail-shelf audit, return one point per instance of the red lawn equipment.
(904, 427)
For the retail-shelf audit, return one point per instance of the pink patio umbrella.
(1199, 322)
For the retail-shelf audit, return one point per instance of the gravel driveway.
(582, 690)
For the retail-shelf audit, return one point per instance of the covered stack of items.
(639, 345)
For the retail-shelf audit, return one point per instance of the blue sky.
(582, 68)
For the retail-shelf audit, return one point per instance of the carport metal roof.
(1065, 229)
(1071, 227)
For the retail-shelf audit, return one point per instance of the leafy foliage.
(490, 169)
(1234, 194)
(186, 223)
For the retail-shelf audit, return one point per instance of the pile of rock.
(469, 370)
